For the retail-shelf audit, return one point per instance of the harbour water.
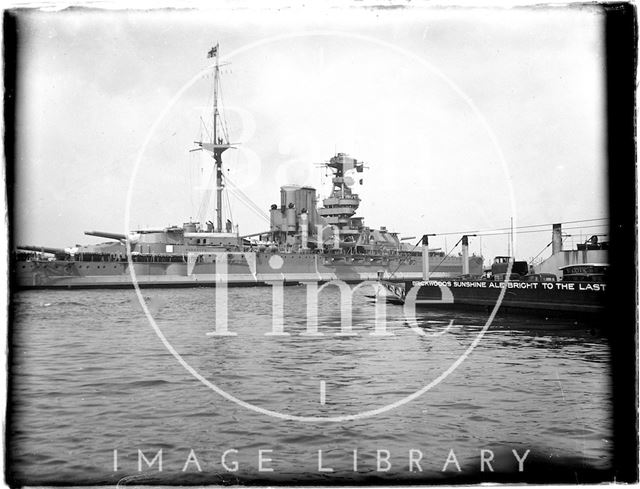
(92, 386)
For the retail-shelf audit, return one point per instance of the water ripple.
(89, 376)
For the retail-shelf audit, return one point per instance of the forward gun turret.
(58, 252)
(120, 237)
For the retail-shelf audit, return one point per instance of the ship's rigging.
(218, 141)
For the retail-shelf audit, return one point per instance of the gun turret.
(58, 252)
(101, 234)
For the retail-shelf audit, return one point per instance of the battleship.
(305, 242)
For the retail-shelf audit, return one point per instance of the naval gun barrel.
(43, 249)
(255, 234)
(101, 234)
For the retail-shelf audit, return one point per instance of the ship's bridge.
(347, 201)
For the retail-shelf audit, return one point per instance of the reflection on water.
(89, 375)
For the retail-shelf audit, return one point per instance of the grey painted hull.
(238, 269)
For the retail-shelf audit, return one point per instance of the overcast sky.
(416, 94)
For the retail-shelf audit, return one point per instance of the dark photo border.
(621, 35)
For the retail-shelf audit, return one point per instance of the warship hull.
(232, 269)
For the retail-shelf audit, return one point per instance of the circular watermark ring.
(290, 417)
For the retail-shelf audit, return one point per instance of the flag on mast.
(213, 52)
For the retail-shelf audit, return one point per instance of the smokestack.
(304, 230)
(290, 218)
(425, 257)
(465, 255)
(556, 240)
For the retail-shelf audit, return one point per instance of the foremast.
(219, 138)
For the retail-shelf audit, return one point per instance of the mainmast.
(219, 143)
(217, 155)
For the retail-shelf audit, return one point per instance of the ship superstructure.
(333, 228)
(340, 207)
(592, 250)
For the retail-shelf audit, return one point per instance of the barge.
(577, 292)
